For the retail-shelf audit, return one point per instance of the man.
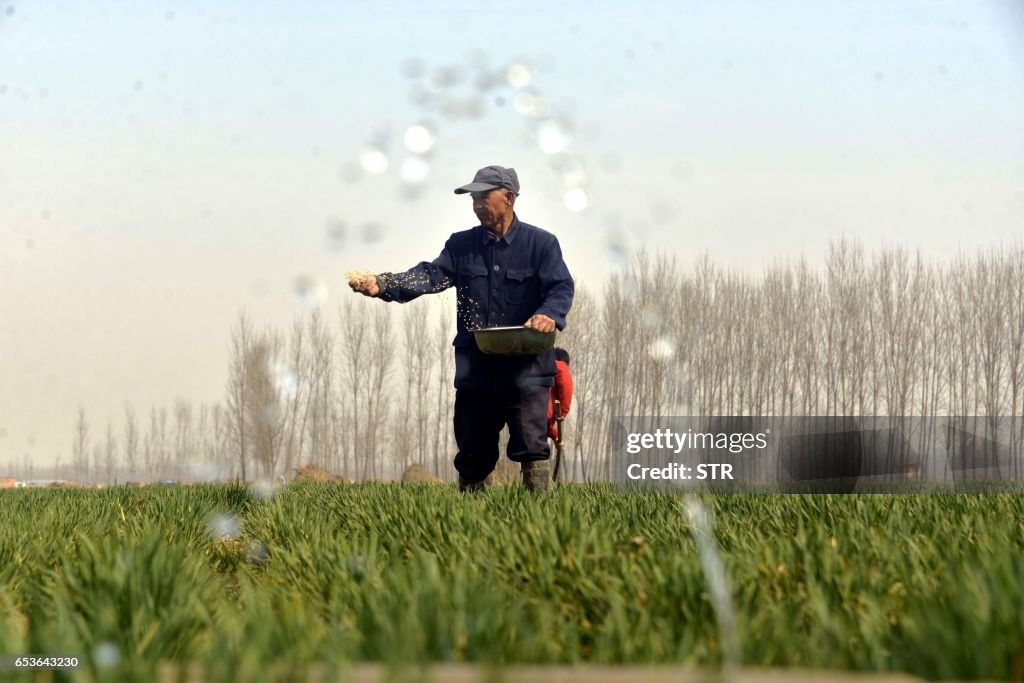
(506, 272)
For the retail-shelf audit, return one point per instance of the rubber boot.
(537, 476)
(470, 486)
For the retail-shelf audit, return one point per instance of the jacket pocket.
(467, 273)
(518, 282)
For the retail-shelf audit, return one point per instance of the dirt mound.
(418, 474)
(313, 473)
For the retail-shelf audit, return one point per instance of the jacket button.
(496, 267)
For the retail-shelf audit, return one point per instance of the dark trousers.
(480, 415)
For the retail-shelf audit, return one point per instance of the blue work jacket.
(499, 282)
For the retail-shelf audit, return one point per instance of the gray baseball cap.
(491, 178)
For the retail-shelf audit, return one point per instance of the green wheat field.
(238, 583)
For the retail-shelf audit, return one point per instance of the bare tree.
(379, 363)
(80, 447)
(616, 356)
(989, 304)
(845, 341)
(292, 383)
(131, 441)
(109, 454)
(322, 428)
(1013, 291)
(417, 356)
(264, 416)
(582, 341)
(354, 347)
(97, 464)
(158, 443)
(444, 395)
(221, 439)
(184, 446)
(936, 336)
(237, 389)
(404, 430)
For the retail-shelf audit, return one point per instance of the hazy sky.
(164, 165)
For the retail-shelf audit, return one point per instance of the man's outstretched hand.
(364, 283)
(541, 323)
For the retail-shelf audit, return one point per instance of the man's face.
(491, 206)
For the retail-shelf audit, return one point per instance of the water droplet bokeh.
(223, 526)
(441, 78)
(618, 250)
(286, 380)
(420, 138)
(662, 349)
(356, 566)
(412, 67)
(373, 160)
(651, 316)
(350, 172)
(106, 655)
(256, 552)
(372, 233)
(205, 472)
(552, 137)
(310, 291)
(576, 199)
(378, 134)
(571, 169)
(468, 108)
(530, 104)
(337, 232)
(262, 489)
(271, 415)
(519, 75)
(415, 170)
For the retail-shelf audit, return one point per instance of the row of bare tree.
(168, 444)
(364, 400)
(890, 334)
(882, 334)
